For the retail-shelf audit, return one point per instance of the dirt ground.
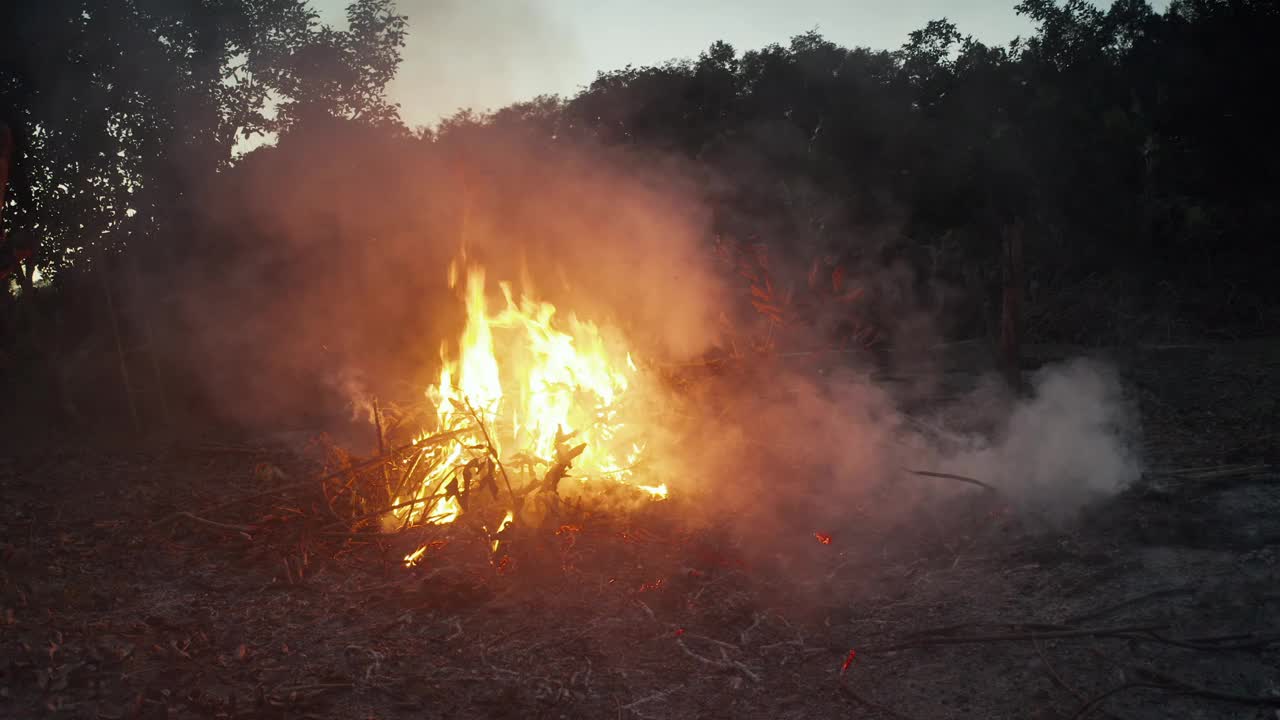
(1162, 603)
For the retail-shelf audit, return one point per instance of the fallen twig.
(1097, 701)
(951, 476)
(1053, 674)
(293, 692)
(241, 529)
(660, 695)
(1107, 610)
(725, 663)
(384, 510)
(434, 439)
(1166, 683)
(1247, 642)
(1183, 687)
(1126, 632)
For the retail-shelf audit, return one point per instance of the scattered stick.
(1125, 632)
(292, 693)
(660, 695)
(241, 529)
(425, 442)
(1107, 610)
(950, 476)
(1141, 633)
(329, 501)
(1086, 709)
(1247, 642)
(1053, 674)
(1183, 687)
(492, 450)
(1213, 472)
(407, 475)
(433, 440)
(382, 447)
(1169, 684)
(726, 663)
(384, 510)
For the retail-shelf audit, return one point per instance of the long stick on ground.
(950, 476)
(1125, 631)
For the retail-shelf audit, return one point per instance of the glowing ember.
(848, 661)
(525, 396)
(823, 538)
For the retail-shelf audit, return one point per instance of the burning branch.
(492, 449)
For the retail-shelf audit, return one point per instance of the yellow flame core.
(412, 558)
(505, 522)
(531, 379)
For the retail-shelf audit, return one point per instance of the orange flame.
(523, 380)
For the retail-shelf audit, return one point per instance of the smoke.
(787, 451)
(1067, 444)
(320, 275)
(329, 289)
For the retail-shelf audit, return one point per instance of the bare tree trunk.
(109, 298)
(1011, 304)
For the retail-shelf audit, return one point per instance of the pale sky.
(485, 54)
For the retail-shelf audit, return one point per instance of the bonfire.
(530, 405)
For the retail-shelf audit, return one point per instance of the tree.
(119, 109)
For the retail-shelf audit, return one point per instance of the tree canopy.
(119, 109)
